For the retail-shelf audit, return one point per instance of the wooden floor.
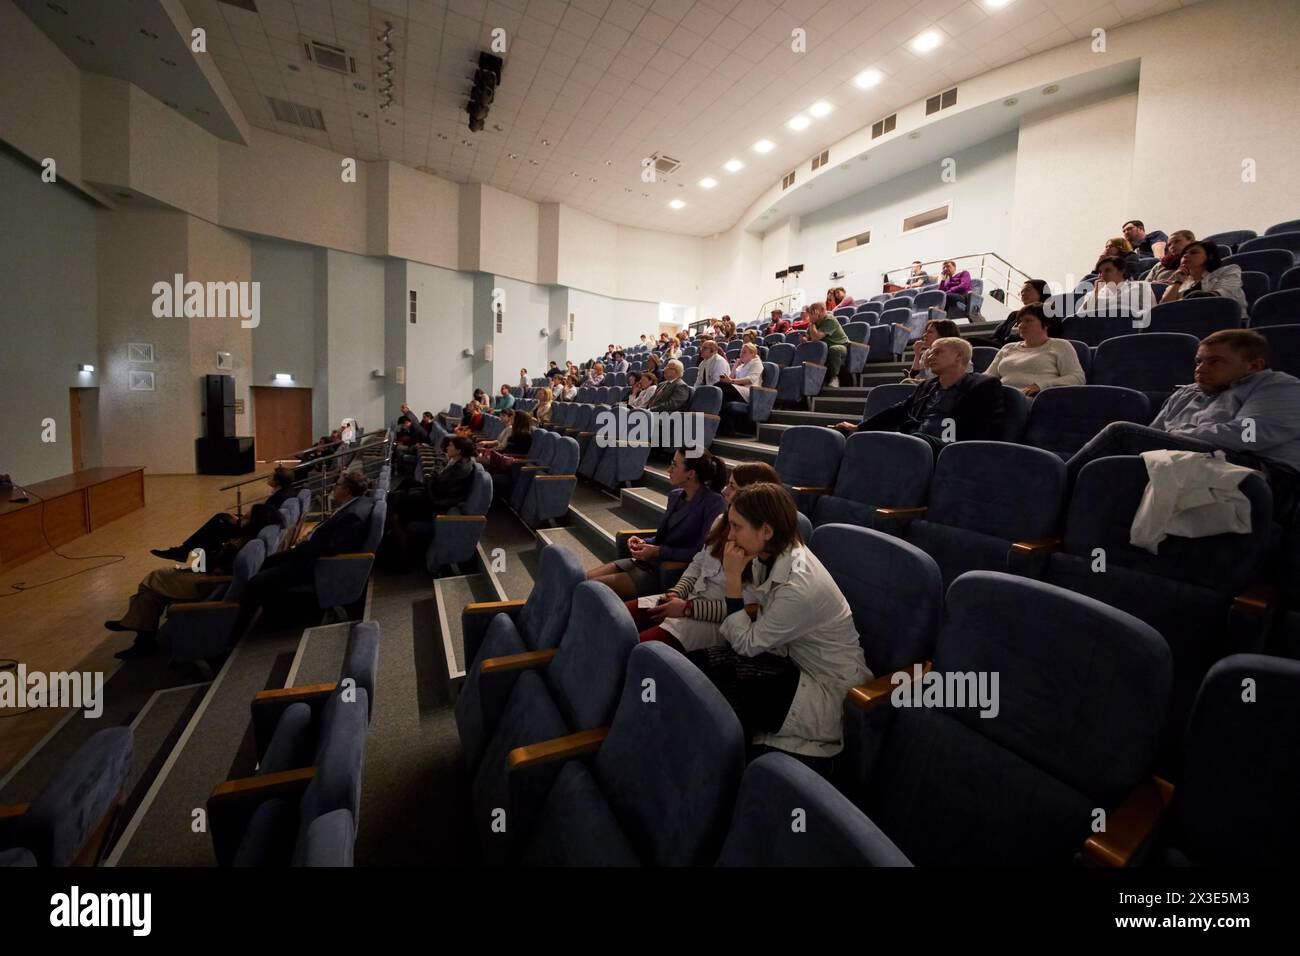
(60, 627)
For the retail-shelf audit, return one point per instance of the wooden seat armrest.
(871, 694)
(289, 695)
(187, 606)
(493, 607)
(1130, 826)
(516, 662)
(811, 489)
(560, 748)
(12, 811)
(902, 512)
(214, 578)
(1042, 545)
(762, 388)
(552, 477)
(1257, 600)
(347, 557)
(438, 518)
(814, 364)
(635, 531)
(286, 783)
(673, 565)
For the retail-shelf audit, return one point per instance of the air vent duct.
(330, 57)
(297, 114)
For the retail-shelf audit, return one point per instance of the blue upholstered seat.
(809, 456)
(1064, 419)
(877, 470)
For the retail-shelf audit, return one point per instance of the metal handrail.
(326, 473)
(986, 272)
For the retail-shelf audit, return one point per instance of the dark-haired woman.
(693, 503)
(1201, 271)
(935, 329)
(500, 456)
(689, 615)
(442, 490)
(162, 587)
(1033, 292)
(792, 655)
(222, 527)
(1038, 361)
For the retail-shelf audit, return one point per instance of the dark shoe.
(116, 626)
(146, 645)
(170, 554)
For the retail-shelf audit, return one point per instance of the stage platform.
(67, 507)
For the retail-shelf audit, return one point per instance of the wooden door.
(283, 421)
(74, 429)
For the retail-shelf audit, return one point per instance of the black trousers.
(216, 531)
(760, 689)
(731, 394)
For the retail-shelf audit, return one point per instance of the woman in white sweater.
(1037, 361)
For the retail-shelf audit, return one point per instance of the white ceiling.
(608, 82)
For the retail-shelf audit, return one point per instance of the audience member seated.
(567, 391)
(779, 324)
(693, 503)
(713, 367)
(1164, 270)
(801, 323)
(408, 435)
(750, 337)
(545, 402)
(918, 276)
(1033, 292)
(955, 405)
(1120, 248)
(672, 351)
(342, 532)
(442, 490)
(957, 286)
(743, 375)
(1237, 405)
(519, 441)
(726, 329)
(1202, 272)
(935, 329)
(596, 374)
(1113, 294)
(160, 588)
(824, 327)
(664, 341)
(791, 656)
(1142, 242)
(643, 390)
(653, 363)
(1038, 360)
(222, 527)
(503, 401)
(322, 449)
(837, 297)
(619, 365)
(555, 371)
(672, 394)
(689, 615)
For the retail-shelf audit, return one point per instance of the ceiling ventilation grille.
(881, 127)
(297, 114)
(821, 160)
(941, 101)
(330, 57)
(788, 181)
(665, 165)
(248, 5)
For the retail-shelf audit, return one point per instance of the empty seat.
(1200, 316)
(624, 459)
(899, 301)
(884, 396)
(775, 338)
(1290, 279)
(833, 832)
(1084, 352)
(205, 630)
(1154, 363)
(880, 341)
(876, 470)
(859, 334)
(1095, 329)
(1288, 241)
(901, 315)
(456, 534)
(660, 788)
(794, 338)
(1231, 238)
(1062, 420)
(1271, 262)
(874, 308)
(691, 375)
(1290, 225)
(809, 457)
(844, 311)
(1255, 285)
(1277, 308)
(982, 357)
(781, 354)
(1284, 347)
(549, 488)
(979, 507)
(1079, 703)
(804, 376)
(1015, 414)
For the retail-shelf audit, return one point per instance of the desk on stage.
(68, 506)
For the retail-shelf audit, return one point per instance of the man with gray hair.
(713, 367)
(673, 394)
(955, 405)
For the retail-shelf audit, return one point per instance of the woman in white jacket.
(745, 374)
(793, 653)
(1037, 361)
(1202, 272)
(689, 615)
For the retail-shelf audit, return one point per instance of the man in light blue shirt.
(1238, 405)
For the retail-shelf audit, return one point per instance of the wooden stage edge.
(63, 509)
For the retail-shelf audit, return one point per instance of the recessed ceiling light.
(514, 155)
(1049, 90)
(533, 162)
(627, 189)
(609, 162)
(677, 204)
(573, 174)
(821, 108)
(996, 4)
(390, 122)
(708, 182)
(442, 136)
(359, 86)
(546, 142)
(363, 115)
(926, 41)
(867, 79)
(764, 146)
(915, 135)
(645, 195)
(798, 123)
(593, 179)
(733, 166)
(497, 127)
(467, 142)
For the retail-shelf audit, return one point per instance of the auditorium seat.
(1084, 352)
(1015, 415)
(570, 690)
(1290, 225)
(1232, 237)
(1286, 241)
(456, 534)
(205, 630)
(623, 460)
(803, 377)
(706, 402)
(880, 344)
(859, 334)
(984, 498)
(1199, 316)
(1080, 700)
(1284, 347)
(1193, 591)
(809, 458)
(781, 354)
(762, 398)
(1271, 262)
(794, 338)
(1276, 308)
(1064, 419)
(662, 783)
(1154, 363)
(982, 357)
(1290, 279)
(787, 815)
(1096, 329)
(690, 375)
(69, 820)
(884, 396)
(877, 470)
(1255, 285)
(549, 488)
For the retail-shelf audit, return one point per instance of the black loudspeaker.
(224, 456)
(219, 406)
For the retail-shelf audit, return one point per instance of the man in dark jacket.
(955, 405)
(222, 527)
(342, 532)
(672, 394)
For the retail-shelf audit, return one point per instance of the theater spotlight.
(487, 77)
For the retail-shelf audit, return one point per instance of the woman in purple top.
(957, 285)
